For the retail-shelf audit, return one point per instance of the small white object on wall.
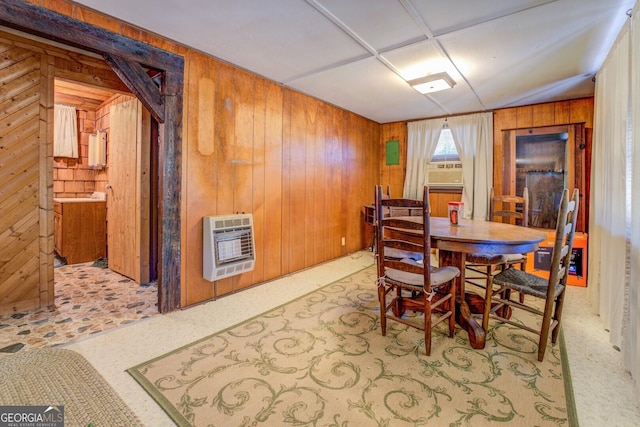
(97, 150)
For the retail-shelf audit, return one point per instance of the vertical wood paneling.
(335, 217)
(393, 175)
(320, 205)
(562, 111)
(258, 166)
(543, 114)
(581, 110)
(524, 116)
(311, 232)
(297, 184)
(199, 165)
(273, 183)
(225, 135)
(286, 180)
(243, 154)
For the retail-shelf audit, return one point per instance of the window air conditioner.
(444, 174)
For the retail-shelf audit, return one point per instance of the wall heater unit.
(228, 246)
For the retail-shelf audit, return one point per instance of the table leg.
(466, 303)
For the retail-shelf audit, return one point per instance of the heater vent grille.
(228, 246)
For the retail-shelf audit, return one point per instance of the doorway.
(124, 161)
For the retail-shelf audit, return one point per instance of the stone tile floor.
(88, 300)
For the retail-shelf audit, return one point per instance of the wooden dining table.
(479, 237)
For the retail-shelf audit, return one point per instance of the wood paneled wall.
(302, 167)
(393, 175)
(533, 116)
(530, 116)
(23, 280)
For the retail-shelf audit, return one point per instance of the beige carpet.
(59, 377)
(321, 360)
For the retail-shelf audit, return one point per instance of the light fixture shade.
(432, 83)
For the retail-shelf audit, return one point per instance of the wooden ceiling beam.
(137, 79)
(24, 16)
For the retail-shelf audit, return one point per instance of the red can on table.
(455, 212)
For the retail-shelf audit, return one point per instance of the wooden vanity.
(80, 229)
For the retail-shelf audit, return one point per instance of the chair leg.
(544, 331)
(557, 316)
(427, 325)
(452, 308)
(382, 295)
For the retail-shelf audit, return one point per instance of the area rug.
(58, 377)
(321, 360)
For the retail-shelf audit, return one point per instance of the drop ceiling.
(358, 54)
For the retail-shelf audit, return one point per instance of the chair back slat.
(509, 208)
(406, 245)
(565, 232)
(419, 241)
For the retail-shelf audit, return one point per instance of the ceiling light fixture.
(432, 83)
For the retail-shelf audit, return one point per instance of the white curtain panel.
(631, 350)
(614, 226)
(473, 136)
(609, 214)
(423, 138)
(65, 131)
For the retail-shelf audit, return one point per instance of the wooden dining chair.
(482, 267)
(387, 212)
(406, 284)
(550, 290)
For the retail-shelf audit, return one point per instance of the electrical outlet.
(344, 241)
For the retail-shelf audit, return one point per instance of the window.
(446, 149)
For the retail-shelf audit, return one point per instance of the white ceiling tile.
(383, 24)
(347, 52)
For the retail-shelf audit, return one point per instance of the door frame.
(154, 76)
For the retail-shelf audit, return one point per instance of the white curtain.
(631, 350)
(65, 131)
(614, 226)
(473, 136)
(422, 142)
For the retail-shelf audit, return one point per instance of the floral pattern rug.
(321, 360)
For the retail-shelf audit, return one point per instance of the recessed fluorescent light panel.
(432, 83)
